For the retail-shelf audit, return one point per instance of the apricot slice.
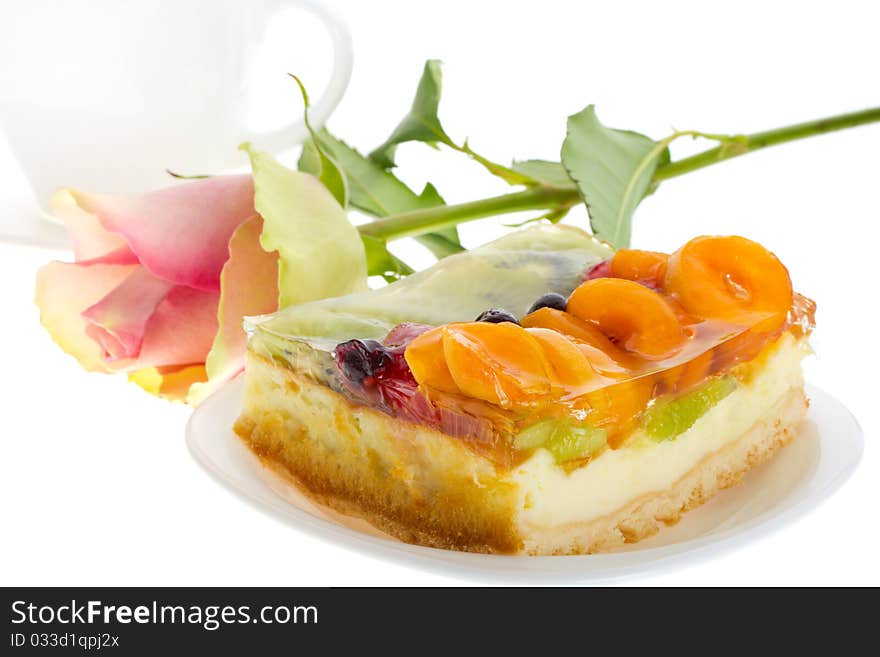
(617, 408)
(731, 279)
(605, 356)
(635, 317)
(740, 349)
(426, 360)
(498, 363)
(682, 378)
(648, 267)
(569, 365)
(604, 364)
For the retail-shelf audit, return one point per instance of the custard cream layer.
(551, 497)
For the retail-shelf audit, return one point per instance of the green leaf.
(421, 124)
(544, 172)
(324, 167)
(507, 174)
(443, 242)
(430, 197)
(381, 262)
(333, 179)
(320, 254)
(379, 192)
(372, 189)
(663, 159)
(613, 171)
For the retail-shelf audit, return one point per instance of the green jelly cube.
(535, 435)
(575, 442)
(667, 419)
(565, 441)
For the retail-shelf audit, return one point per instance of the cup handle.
(288, 136)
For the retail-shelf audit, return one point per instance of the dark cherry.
(362, 359)
(377, 374)
(496, 316)
(549, 300)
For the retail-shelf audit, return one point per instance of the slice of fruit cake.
(539, 395)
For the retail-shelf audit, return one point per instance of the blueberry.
(496, 316)
(549, 300)
(359, 359)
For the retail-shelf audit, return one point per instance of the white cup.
(105, 95)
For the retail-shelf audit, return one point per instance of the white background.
(96, 485)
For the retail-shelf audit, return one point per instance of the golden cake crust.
(408, 480)
(422, 486)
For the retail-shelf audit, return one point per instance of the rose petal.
(63, 292)
(119, 320)
(90, 239)
(320, 253)
(179, 233)
(169, 382)
(181, 330)
(249, 286)
(121, 256)
(177, 331)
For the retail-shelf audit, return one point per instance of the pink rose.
(160, 282)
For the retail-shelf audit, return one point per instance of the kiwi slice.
(668, 418)
(565, 440)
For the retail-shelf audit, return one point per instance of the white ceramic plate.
(801, 476)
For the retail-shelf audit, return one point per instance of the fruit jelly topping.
(377, 374)
(641, 325)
